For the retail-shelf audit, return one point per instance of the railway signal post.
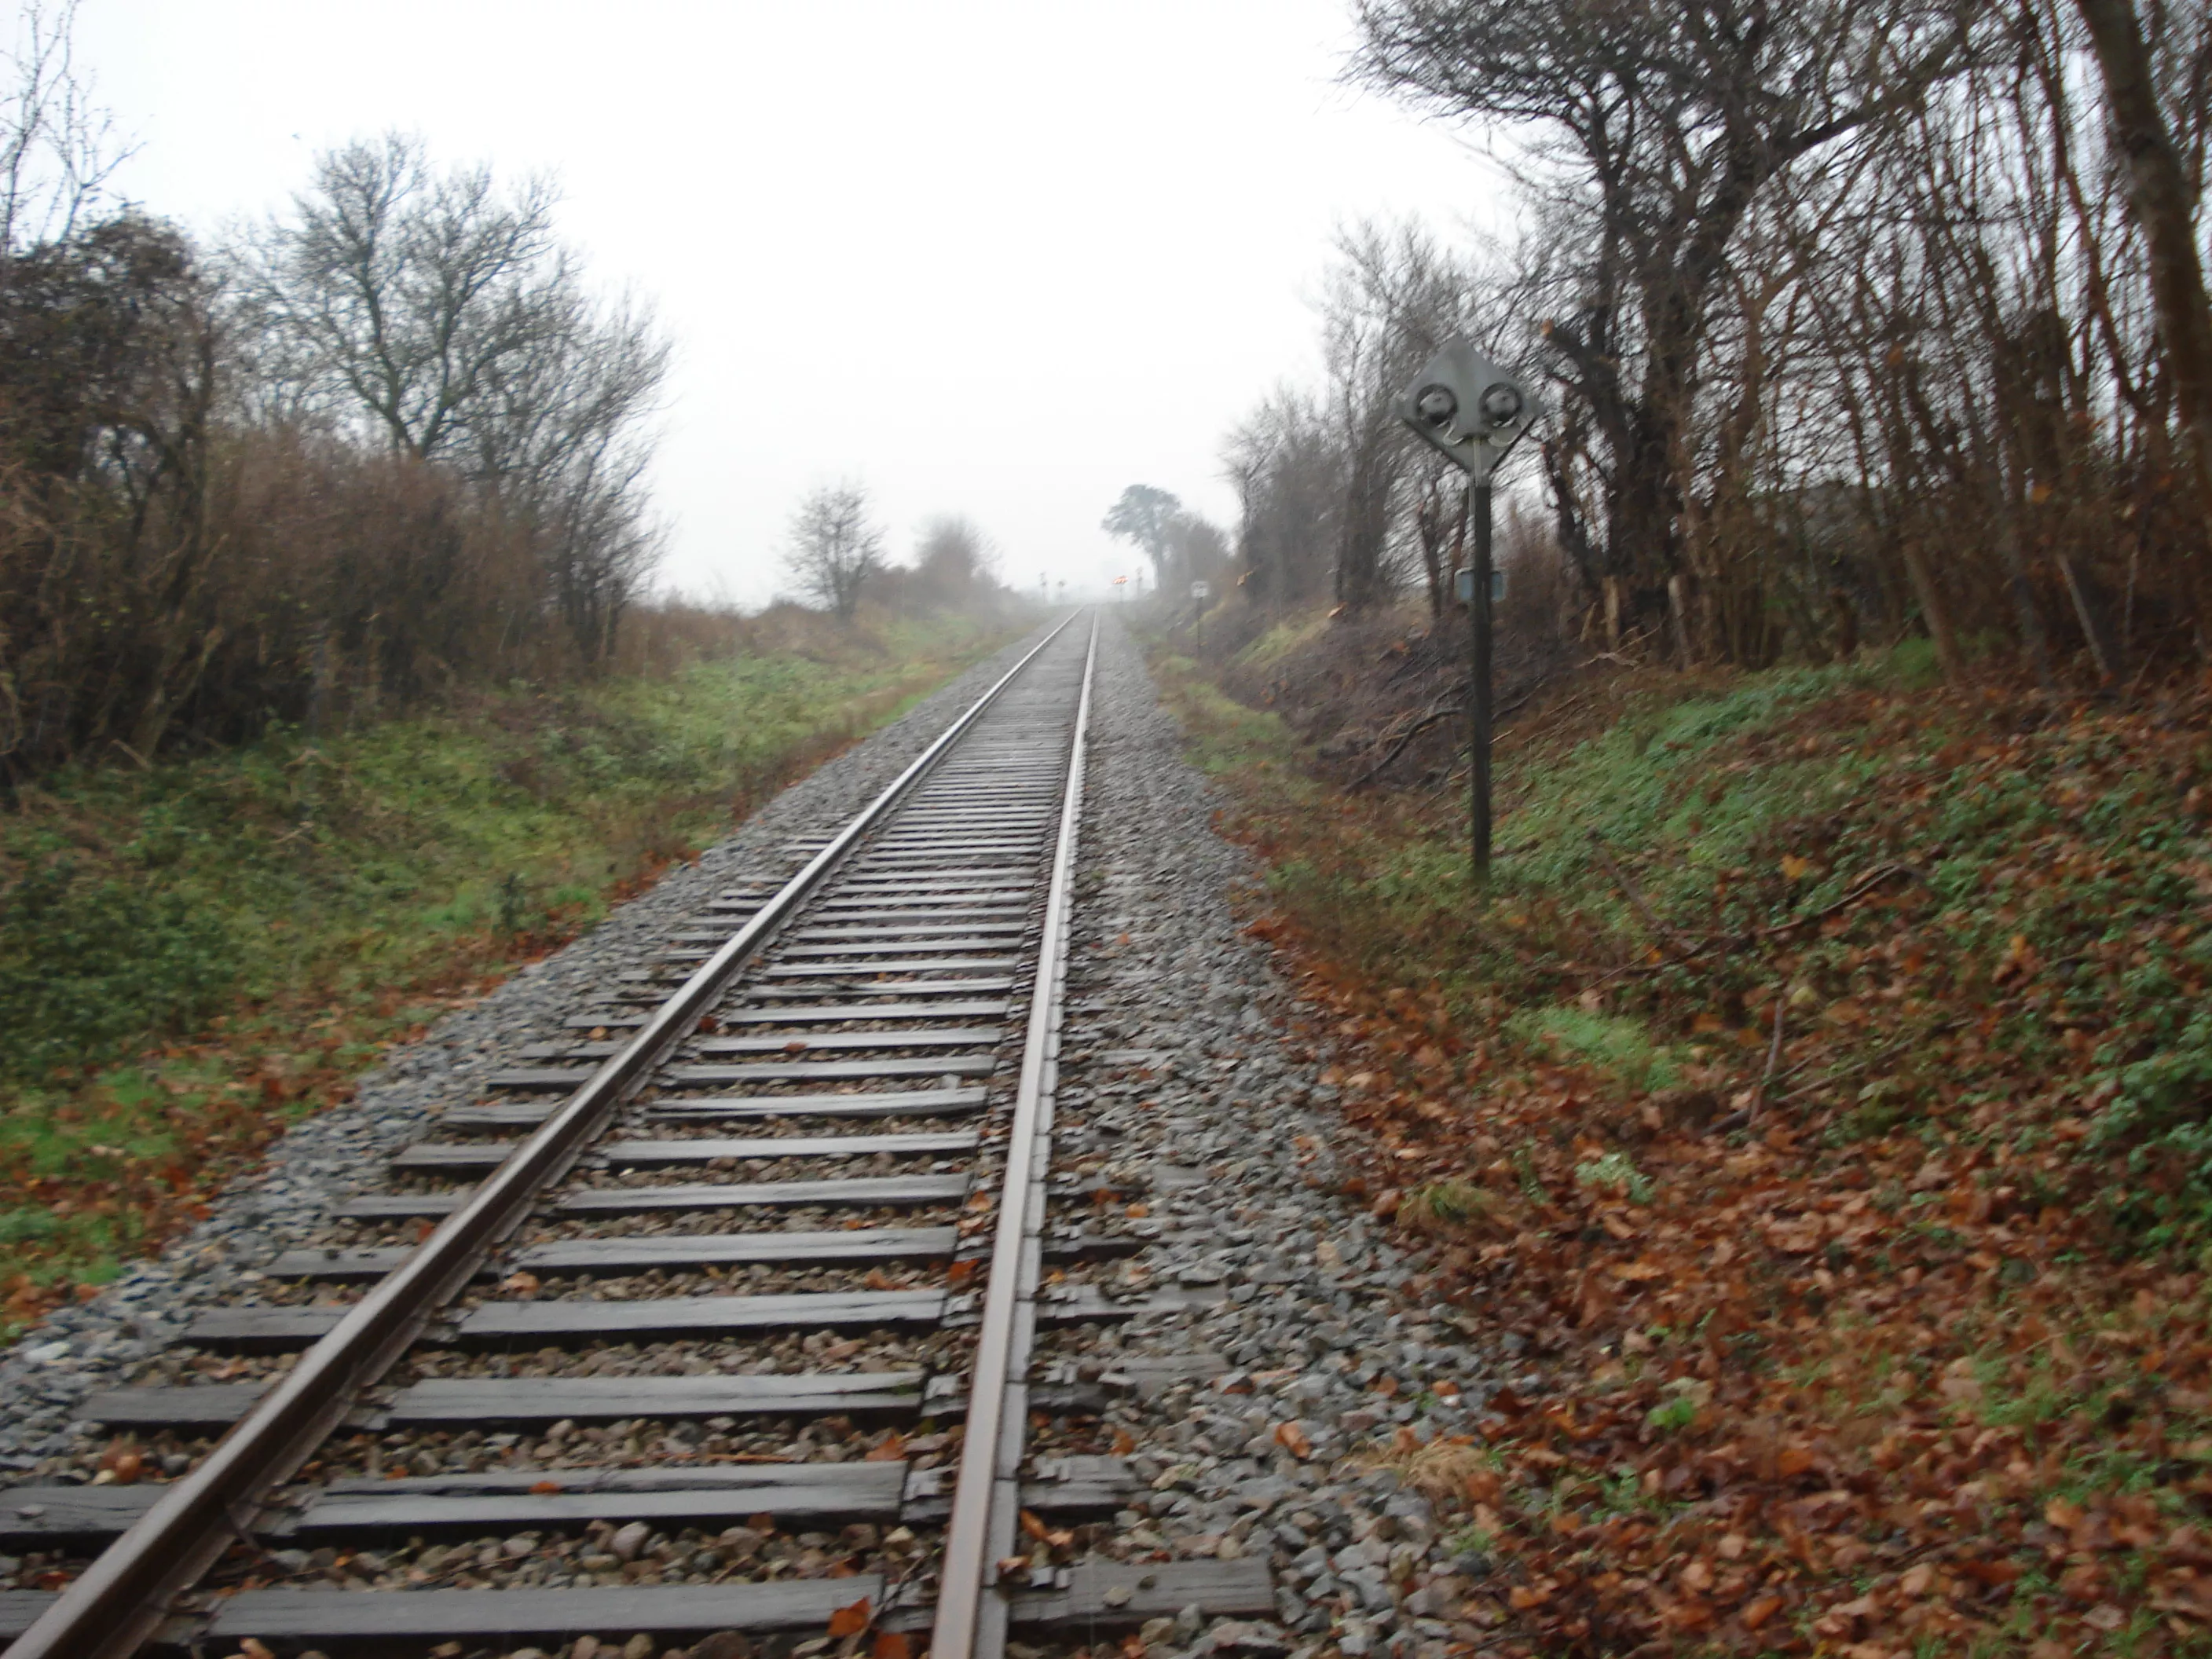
(1471, 409)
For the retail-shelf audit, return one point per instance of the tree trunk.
(2164, 207)
(2006, 524)
(1366, 521)
(2090, 632)
(1429, 518)
(1933, 610)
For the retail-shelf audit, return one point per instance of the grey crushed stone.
(98, 1344)
(1179, 1060)
(1182, 1076)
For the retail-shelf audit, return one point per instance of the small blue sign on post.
(1463, 584)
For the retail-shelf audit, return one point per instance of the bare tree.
(1440, 518)
(400, 296)
(437, 312)
(108, 373)
(1653, 131)
(952, 559)
(57, 149)
(1183, 545)
(562, 436)
(1868, 316)
(1289, 475)
(1393, 297)
(834, 548)
(1326, 480)
(2164, 199)
(1196, 549)
(392, 445)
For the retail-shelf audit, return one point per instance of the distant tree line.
(1180, 545)
(835, 556)
(385, 442)
(1856, 318)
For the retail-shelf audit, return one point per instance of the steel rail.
(118, 1602)
(969, 1624)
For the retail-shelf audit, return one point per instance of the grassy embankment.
(194, 956)
(1893, 1338)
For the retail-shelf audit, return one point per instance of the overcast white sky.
(991, 258)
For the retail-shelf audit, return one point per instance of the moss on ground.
(1820, 1094)
(193, 954)
(1709, 847)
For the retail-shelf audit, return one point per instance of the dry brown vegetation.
(1815, 1104)
(382, 448)
(1857, 322)
(194, 954)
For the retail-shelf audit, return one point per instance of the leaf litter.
(1853, 1197)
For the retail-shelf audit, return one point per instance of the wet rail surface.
(719, 1316)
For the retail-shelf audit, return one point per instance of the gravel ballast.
(1288, 1389)
(1283, 1413)
(98, 1344)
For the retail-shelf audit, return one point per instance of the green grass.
(1443, 1206)
(192, 954)
(1282, 641)
(1617, 1042)
(1388, 881)
(1627, 787)
(2055, 887)
(1996, 1054)
(1617, 1174)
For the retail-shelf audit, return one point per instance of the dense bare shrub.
(1859, 320)
(835, 547)
(435, 314)
(393, 447)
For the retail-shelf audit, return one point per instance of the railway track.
(720, 1316)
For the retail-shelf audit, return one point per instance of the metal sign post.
(1473, 411)
(1477, 680)
(1199, 593)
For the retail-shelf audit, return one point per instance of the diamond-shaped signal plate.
(1445, 403)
